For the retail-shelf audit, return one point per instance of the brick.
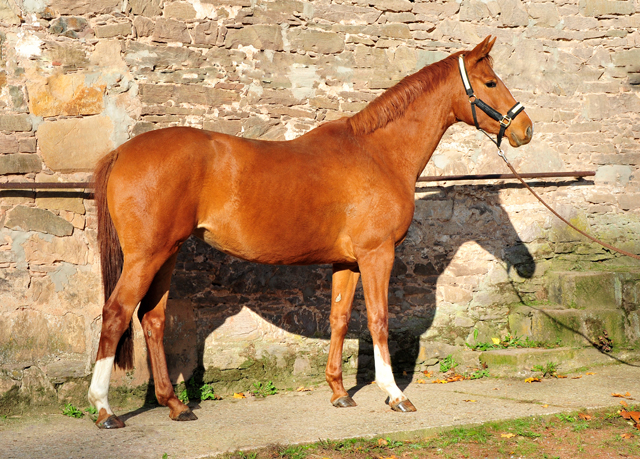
(19, 164)
(40, 220)
(121, 29)
(16, 123)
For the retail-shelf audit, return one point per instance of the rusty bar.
(46, 186)
(532, 175)
(433, 178)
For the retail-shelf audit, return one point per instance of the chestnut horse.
(341, 194)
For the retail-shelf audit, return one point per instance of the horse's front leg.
(343, 287)
(375, 267)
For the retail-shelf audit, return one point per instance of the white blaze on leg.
(384, 378)
(99, 389)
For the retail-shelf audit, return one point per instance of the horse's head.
(484, 100)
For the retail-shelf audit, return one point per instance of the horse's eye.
(491, 84)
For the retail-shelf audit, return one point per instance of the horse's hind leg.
(152, 318)
(375, 267)
(343, 287)
(116, 315)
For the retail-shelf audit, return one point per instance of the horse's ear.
(482, 50)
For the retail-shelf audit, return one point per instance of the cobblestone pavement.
(301, 417)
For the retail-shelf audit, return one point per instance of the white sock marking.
(99, 389)
(384, 378)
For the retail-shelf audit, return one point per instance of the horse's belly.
(282, 251)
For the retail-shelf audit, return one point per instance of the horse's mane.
(392, 103)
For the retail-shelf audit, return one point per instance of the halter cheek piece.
(504, 120)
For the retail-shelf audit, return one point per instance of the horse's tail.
(111, 257)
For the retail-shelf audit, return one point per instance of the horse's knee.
(339, 323)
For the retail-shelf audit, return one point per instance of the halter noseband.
(504, 120)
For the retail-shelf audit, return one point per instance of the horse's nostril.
(529, 132)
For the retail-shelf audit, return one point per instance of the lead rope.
(598, 241)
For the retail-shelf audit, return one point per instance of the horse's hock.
(480, 260)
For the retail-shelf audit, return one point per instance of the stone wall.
(79, 77)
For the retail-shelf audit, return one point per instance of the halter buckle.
(505, 121)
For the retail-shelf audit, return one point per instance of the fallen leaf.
(561, 376)
(623, 403)
(469, 401)
(545, 406)
(532, 380)
(455, 378)
(427, 374)
(627, 435)
(439, 381)
(586, 417)
(495, 340)
(382, 442)
(589, 373)
(631, 415)
(304, 389)
(627, 395)
(576, 377)
(508, 435)
(238, 395)
(421, 381)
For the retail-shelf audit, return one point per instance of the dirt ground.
(484, 418)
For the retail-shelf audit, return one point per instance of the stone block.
(259, 36)
(182, 11)
(42, 249)
(513, 13)
(66, 94)
(206, 33)
(520, 362)
(75, 144)
(19, 164)
(36, 387)
(433, 209)
(143, 26)
(186, 93)
(122, 29)
(107, 53)
(597, 8)
(33, 219)
(70, 55)
(613, 175)
(170, 30)
(346, 14)
(62, 369)
(544, 14)
(16, 123)
(231, 127)
(148, 8)
(395, 6)
(68, 26)
(7, 15)
(81, 7)
(316, 41)
(473, 10)
(27, 145)
(629, 201)
(29, 336)
(585, 290)
(8, 144)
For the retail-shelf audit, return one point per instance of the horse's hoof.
(344, 402)
(405, 406)
(187, 415)
(112, 422)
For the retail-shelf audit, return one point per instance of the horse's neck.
(408, 142)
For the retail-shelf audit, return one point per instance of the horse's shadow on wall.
(297, 298)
